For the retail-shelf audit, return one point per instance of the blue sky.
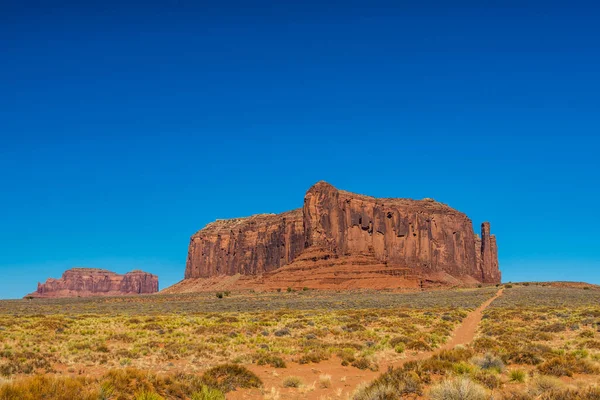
(126, 128)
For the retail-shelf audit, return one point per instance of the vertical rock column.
(489, 256)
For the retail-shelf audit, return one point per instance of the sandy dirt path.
(345, 379)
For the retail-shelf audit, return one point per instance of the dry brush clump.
(391, 385)
(460, 388)
(125, 384)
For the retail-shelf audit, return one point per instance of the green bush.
(517, 375)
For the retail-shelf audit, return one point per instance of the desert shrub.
(347, 355)
(489, 361)
(447, 317)
(229, 377)
(395, 341)
(282, 332)
(462, 368)
(273, 361)
(296, 325)
(364, 363)
(543, 384)
(531, 353)
(455, 355)
(431, 366)
(524, 356)
(207, 393)
(461, 388)
(314, 356)
(557, 366)
(487, 379)
(292, 381)
(325, 381)
(483, 344)
(392, 385)
(399, 348)
(517, 375)
(418, 345)
(380, 391)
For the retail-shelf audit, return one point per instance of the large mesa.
(87, 282)
(342, 239)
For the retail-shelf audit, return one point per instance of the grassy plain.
(532, 342)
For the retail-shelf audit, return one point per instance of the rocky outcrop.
(87, 282)
(414, 239)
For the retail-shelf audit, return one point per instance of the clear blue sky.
(126, 127)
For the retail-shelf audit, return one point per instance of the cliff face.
(247, 246)
(421, 236)
(87, 282)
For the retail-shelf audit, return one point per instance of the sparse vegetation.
(201, 347)
(292, 381)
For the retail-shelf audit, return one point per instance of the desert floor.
(515, 341)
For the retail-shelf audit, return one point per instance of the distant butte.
(88, 282)
(342, 240)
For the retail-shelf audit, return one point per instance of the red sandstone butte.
(88, 282)
(345, 240)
